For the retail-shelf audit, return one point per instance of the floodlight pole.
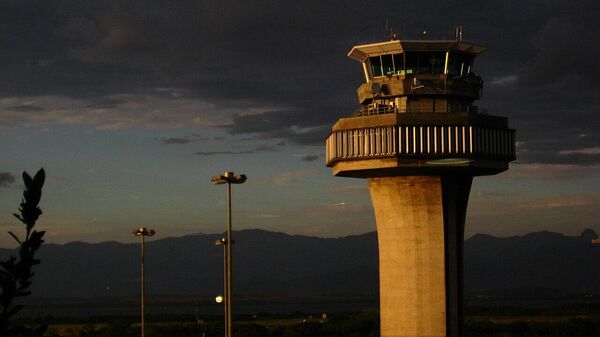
(223, 242)
(143, 232)
(229, 262)
(228, 178)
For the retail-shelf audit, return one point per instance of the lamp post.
(228, 178)
(143, 232)
(219, 299)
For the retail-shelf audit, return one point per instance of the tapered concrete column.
(420, 221)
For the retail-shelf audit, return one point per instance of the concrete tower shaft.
(419, 141)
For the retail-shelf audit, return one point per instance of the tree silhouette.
(16, 272)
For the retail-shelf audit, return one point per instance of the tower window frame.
(387, 64)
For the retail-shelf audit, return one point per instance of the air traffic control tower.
(419, 140)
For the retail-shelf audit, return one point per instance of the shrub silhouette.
(16, 272)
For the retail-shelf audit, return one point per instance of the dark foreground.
(568, 321)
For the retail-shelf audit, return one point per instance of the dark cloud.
(186, 139)
(259, 148)
(176, 140)
(214, 153)
(288, 59)
(309, 157)
(6, 179)
(24, 108)
(266, 148)
(294, 125)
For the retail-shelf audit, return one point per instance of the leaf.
(15, 237)
(39, 331)
(18, 217)
(15, 309)
(39, 179)
(27, 180)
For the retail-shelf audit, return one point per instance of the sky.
(132, 106)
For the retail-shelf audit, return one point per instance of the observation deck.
(417, 115)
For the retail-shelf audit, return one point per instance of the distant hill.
(269, 264)
(543, 262)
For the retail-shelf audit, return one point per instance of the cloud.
(505, 80)
(266, 148)
(6, 179)
(527, 205)
(214, 153)
(114, 112)
(559, 202)
(362, 189)
(276, 72)
(196, 137)
(265, 216)
(259, 148)
(24, 108)
(592, 151)
(309, 157)
(176, 140)
(292, 125)
(288, 178)
(539, 171)
(564, 46)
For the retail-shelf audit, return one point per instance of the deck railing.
(410, 141)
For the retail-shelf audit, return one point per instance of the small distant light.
(219, 299)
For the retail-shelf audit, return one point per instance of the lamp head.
(229, 178)
(143, 231)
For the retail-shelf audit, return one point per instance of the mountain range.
(277, 265)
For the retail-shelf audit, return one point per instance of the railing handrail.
(386, 109)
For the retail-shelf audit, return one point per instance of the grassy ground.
(481, 322)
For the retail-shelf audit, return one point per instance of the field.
(567, 321)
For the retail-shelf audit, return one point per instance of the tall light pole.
(228, 178)
(143, 232)
(219, 299)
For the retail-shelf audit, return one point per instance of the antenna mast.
(459, 33)
(389, 32)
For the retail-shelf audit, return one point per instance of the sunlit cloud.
(533, 204)
(309, 157)
(117, 111)
(504, 80)
(538, 171)
(361, 189)
(265, 216)
(559, 202)
(588, 151)
(288, 178)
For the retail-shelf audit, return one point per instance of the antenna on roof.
(459, 33)
(389, 32)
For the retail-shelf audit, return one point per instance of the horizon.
(158, 238)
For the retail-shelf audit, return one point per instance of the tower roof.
(362, 52)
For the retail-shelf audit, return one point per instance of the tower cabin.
(417, 114)
(418, 76)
